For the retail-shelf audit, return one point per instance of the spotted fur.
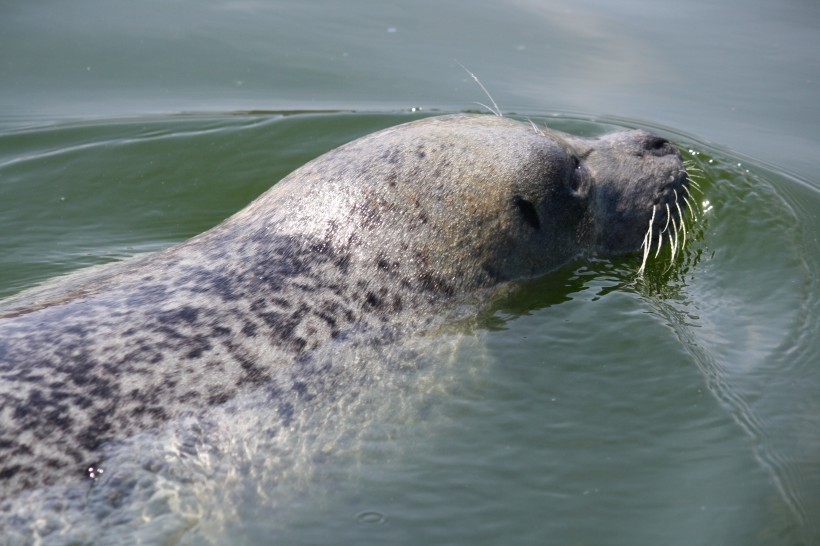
(376, 236)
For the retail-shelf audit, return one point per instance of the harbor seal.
(370, 239)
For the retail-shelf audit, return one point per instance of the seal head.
(482, 199)
(630, 176)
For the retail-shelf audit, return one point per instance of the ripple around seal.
(673, 410)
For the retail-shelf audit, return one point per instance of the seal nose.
(656, 144)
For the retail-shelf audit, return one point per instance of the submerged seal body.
(372, 236)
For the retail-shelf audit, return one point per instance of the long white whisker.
(682, 223)
(675, 241)
(694, 187)
(686, 192)
(660, 244)
(668, 216)
(677, 206)
(691, 208)
(643, 244)
(647, 240)
(485, 106)
(692, 165)
(497, 110)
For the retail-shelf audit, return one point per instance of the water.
(585, 407)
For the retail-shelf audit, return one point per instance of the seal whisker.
(671, 263)
(677, 206)
(695, 179)
(660, 244)
(691, 164)
(673, 242)
(496, 110)
(535, 128)
(643, 244)
(647, 242)
(691, 208)
(688, 204)
(689, 175)
(681, 227)
(649, 231)
(668, 216)
(487, 107)
(694, 187)
(685, 191)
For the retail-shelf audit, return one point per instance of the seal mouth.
(667, 223)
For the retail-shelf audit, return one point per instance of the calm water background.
(587, 407)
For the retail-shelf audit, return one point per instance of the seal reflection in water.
(375, 236)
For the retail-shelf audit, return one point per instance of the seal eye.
(527, 211)
(575, 176)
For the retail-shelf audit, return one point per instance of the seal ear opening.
(527, 211)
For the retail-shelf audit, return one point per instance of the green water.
(587, 407)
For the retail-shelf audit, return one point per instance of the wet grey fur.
(371, 237)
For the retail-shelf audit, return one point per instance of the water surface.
(589, 406)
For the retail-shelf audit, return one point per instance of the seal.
(371, 239)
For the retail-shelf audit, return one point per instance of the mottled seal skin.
(374, 235)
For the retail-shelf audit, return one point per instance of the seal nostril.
(655, 142)
(656, 145)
